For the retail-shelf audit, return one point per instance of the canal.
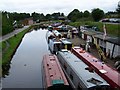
(25, 67)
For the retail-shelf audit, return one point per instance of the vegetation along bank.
(9, 46)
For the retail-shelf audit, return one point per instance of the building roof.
(31, 18)
(100, 35)
(114, 40)
(90, 32)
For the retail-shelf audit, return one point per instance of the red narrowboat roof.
(53, 71)
(105, 71)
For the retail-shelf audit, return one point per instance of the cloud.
(50, 6)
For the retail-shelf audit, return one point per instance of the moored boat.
(106, 72)
(80, 75)
(53, 76)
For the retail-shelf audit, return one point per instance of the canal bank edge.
(14, 43)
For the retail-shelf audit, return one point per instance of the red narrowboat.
(53, 76)
(111, 75)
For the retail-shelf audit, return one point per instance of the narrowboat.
(57, 34)
(66, 44)
(49, 35)
(53, 76)
(108, 73)
(80, 75)
(54, 45)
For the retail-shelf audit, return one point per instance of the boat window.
(57, 47)
(62, 46)
(69, 46)
(79, 87)
(71, 76)
(65, 67)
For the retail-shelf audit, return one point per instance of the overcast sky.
(51, 6)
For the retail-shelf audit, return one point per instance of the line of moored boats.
(72, 68)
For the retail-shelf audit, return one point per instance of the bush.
(6, 24)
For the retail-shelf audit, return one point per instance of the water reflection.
(5, 70)
(6, 67)
(25, 68)
(40, 26)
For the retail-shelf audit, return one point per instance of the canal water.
(25, 67)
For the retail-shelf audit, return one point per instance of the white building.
(113, 47)
(109, 45)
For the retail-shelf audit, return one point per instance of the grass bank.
(112, 29)
(13, 44)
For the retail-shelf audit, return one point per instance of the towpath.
(5, 37)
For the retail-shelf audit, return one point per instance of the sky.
(51, 6)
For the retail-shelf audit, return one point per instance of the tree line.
(8, 18)
(97, 14)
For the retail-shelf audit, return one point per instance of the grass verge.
(112, 29)
(13, 44)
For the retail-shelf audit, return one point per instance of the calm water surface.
(25, 68)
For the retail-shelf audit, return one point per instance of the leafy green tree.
(18, 16)
(7, 26)
(62, 14)
(97, 14)
(74, 15)
(118, 9)
(86, 14)
(55, 16)
(41, 17)
(36, 16)
(48, 17)
(80, 15)
(24, 15)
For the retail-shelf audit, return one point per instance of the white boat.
(49, 35)
(54, 45)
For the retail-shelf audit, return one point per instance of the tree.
(118, 8)
(74, 15)
(81, 15)
(97, 14)
(35, 16)
(86, 14)
(7, 26)
(48, 17)
(62, 14)
(55, 16)
(41, 17)
(19, 16)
